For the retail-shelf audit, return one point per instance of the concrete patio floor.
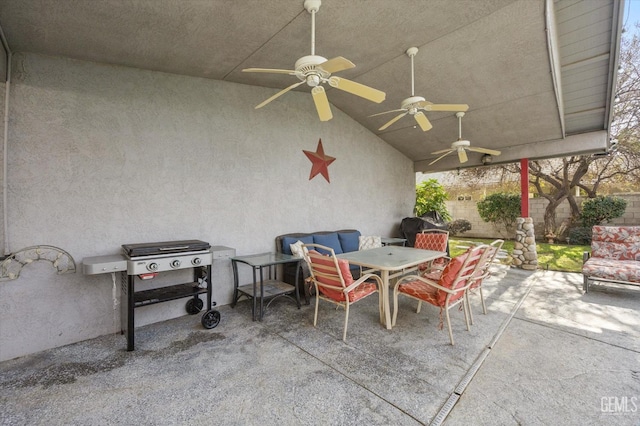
(544, 354)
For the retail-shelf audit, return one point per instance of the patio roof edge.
(580, 144)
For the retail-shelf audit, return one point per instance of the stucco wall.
(102, 155)
(468, 210)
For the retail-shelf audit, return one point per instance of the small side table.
(393, 241)
(270, 288)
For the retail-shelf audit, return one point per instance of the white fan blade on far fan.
(428, 106)
(316, 70)
(270, 71)
(485, 150)
(462, 155)
(446, 152)
(420, 118)
(393, 120)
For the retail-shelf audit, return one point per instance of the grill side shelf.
(164, 294)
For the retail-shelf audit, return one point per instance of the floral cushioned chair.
(433, 239)
(334, 283)
(448, 290)
(614, 257)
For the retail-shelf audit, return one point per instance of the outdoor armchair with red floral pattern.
(444, 289)
(614, 257)
(433, 239)
(334, 283)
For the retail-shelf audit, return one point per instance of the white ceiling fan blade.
(387, 112)
(322, 103)
(336, 64)
(374, 95)
(423, 121)
(280, 93)
(484, 150)
(462, 155)
(269, 70)
(393, 120)
(449, 151)
(444, 107)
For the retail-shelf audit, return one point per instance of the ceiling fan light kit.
(416, 105)
(314, 70)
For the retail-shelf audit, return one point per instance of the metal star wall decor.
(320, 162)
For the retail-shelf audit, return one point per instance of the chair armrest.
(433, 284)
(437, 267)
(363, 279)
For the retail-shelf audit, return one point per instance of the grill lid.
(164, 247)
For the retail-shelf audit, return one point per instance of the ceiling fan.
(315, 70)
(415, 105)
(461, 146)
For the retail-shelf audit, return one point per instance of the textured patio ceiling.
(538, 75)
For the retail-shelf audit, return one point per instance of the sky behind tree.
(631, 16)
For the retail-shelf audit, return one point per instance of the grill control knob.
(175, 263)
(152, 266)
(196, 261)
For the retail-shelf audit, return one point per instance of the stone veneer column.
(524, 253)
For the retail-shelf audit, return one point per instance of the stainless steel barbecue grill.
(145, 261)
(140, 262)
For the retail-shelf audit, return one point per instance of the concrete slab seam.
(512, 314)
(475, 367)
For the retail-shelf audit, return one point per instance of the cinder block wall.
(468, 210)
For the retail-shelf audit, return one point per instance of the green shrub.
(431, 196)
(601, 209)
(459, 226)
(580, 235)
(500, 208)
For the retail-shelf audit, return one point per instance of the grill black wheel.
(194, 305)
(210, 319)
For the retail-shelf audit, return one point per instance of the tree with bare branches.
(556, 179)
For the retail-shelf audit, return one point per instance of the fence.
(467, 209)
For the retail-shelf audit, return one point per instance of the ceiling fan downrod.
(312, 7)
(411, 52)
(459, 115)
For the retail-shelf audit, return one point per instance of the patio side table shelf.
(262, 289)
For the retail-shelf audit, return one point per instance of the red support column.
(524, 187)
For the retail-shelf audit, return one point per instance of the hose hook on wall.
(12, 265)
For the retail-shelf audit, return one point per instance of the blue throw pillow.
(349, 241)
(287, 241)
(329, 240)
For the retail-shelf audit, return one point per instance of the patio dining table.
(392, 262)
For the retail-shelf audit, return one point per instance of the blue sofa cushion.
(329, 240)
(349, 241)
(287, 241)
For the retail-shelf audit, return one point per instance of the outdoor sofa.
(614, 256)
(342, 241)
